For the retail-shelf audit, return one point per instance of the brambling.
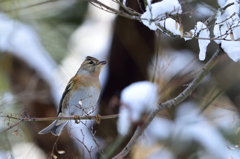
(80, 95)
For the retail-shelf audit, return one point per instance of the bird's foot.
(98, 118)
(77, 119)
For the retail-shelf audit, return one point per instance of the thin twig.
(82, 142)
(90, 129)
(104, 7)
(169, 104)
(12, 126)
(97, 143)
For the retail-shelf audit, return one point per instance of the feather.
(67, 89)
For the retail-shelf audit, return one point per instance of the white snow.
(124, 2)
(232, 48)
(140, 97)
(124, 123)
(225, 25)
(201, 31)
(156, 13)
(204, 33)
(171, 25)
(147, 19)
(203, 10)
(136, 99)
(222, 3)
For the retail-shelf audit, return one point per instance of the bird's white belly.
(82, 102)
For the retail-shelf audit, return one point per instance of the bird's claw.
(98, 118)
(77, 119)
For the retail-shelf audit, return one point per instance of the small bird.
(80, 95)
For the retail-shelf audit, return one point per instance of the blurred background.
(43, 43)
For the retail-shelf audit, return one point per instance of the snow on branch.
(165, 16)
(227, 26)
(201, 31)
(155, 16)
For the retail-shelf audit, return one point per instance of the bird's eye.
(91, 62)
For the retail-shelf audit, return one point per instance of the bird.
(80, 95)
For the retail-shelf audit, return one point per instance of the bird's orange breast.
(86, 81)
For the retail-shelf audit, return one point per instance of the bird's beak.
(102, 63)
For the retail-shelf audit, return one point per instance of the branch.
(12, 126)
(96, 142)
(59, 118)
(52, 119)
(215, 13)
(82, 142)
(106, 8)
(169, 104)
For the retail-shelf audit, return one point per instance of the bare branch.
(82, 142)
(92, 132)
(96, 142)
(12, 126)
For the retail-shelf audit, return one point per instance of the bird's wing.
(67, 89)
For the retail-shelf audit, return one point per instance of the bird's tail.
(55, 128)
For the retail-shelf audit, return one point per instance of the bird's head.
(91, 65)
